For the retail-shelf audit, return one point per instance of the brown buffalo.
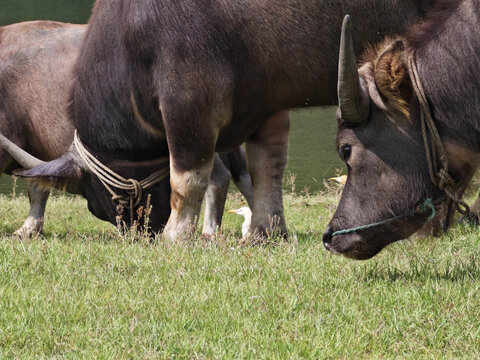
(36, 61)
(380, 132)
(190, 78)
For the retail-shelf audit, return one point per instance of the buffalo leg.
(475, 208)
(191, 163)
(215, 197)
(236, 163)
(474, 215)
(188, 190)
(244, 184)
(266, 159)
(33, 224)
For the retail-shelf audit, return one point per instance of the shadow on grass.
(423, 271)
(8, 230)
(307, 237)
(106, 237)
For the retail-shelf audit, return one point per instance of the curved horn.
(23, 158)
(353, 100)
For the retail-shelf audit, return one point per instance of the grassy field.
(82, 291)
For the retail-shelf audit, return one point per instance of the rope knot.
(136, 194)
(444, 179)
(111, 180)
(120, 200)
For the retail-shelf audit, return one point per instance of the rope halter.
(111, 180)
(424, 208)
(436, 159)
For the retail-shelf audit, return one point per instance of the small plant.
(290, 181)
(306, 191)
(139, 230)
(14, 188)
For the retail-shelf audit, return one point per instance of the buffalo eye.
(344, 152)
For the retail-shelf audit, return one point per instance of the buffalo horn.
(353, 100)
(23, 158)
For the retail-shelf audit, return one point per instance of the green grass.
(81, 291)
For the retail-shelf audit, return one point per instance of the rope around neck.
(111, 179)
(434, 148)
(423, 208)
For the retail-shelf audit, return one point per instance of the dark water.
(74, 11)
(312, 156)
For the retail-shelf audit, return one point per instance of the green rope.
(424, 207)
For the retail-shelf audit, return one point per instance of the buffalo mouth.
(354, 246)
(365, 241)
(366, 244)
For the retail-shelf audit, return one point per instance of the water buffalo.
(36, 61)
(191, 78)
(408, 89)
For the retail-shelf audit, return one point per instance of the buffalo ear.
(391, 76)
(64, 173)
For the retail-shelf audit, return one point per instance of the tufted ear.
(64, 173)
(391, 77)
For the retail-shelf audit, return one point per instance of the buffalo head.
(380, 140)
(71, 174)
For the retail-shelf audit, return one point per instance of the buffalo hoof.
(265, 234)
(210, 231)
(30, 228)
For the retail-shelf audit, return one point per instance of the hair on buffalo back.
(427, 30)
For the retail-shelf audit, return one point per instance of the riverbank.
(82, 291)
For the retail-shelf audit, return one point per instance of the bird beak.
(339, 179)
(232, 211)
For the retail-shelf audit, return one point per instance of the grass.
(81, 291)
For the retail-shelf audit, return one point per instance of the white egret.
(247, 214)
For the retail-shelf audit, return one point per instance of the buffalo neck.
(446, 52)
(447, 49)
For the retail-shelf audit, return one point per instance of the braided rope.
(434, 148)
(111, 179)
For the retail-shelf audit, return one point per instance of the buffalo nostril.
(326, 245)
(327, 237)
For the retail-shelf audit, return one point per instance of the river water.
(312, 156)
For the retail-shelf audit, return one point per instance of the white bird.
(247, 214)
(339, 179)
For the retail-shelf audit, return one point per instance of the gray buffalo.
(184, 79)
(35, 74)
(409, 129)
